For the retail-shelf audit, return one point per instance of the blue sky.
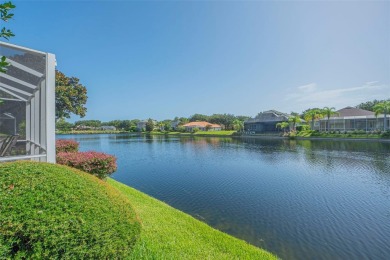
(165, 59)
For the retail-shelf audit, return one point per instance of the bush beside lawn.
(341, 134)
(53, 211)
(99, 164)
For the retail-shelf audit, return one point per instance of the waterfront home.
(175, 124)
(265, 122)
(108, 128)
(350, 119)
(27, 105)
(141, 125)
(202, 126)
(85, 127)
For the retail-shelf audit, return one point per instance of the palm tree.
(282, 125)
(238, 125)
(383, 107)
(161, 126)
(313, 114)
(294, 120)
(328, 112)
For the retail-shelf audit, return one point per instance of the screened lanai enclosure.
(27, 105)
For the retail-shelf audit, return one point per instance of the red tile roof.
(201, 124)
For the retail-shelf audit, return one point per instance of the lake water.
(299, 199)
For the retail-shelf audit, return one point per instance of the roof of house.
(269, 116)
(353, 111)
(200, 124)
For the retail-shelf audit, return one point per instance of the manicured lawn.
(199, 133)
(168, 233)
(218, 133)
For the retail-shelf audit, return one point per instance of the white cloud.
(308, 88)
(311, 95)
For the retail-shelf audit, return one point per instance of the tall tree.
(149, 125)
(282, 125)
(198, 117)
(328, 112)
(383, 108)
(238, 125)
(90, 123)
(294, 120)
(62, 125)
(71, 96)
(369, 105)
(312, 114)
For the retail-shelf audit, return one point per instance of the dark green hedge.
(52, 211)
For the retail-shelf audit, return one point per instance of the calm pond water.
(298, 199)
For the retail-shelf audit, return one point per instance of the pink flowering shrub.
(99, 164)
(64, 145)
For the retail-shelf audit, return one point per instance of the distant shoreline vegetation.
(306, 134)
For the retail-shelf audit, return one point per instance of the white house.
(27, 109)
(108, 128)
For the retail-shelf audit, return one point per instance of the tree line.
(71, 98)
(227, 121)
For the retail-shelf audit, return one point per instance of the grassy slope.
(168, 233)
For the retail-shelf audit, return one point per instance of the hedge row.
(99, 164)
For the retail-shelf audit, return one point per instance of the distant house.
(108, 128)
(141, 125)
(84, 127)
(350, 119)
(202, 126)
(265, 122)
(175, 124)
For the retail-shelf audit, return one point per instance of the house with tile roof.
(351, 119)
(265, 122)
(202, 126)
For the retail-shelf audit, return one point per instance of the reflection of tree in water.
(354, 156)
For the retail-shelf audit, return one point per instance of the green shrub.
(386, 134)
(302, 127)
(99, 164)
(65, 145)
(54, 212)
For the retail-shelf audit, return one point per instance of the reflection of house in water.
(351, 118)
(265, 122)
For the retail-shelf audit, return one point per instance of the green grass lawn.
(199, 133)
(168, 233)
(215, 133)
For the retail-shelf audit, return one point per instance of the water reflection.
(298, 198)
